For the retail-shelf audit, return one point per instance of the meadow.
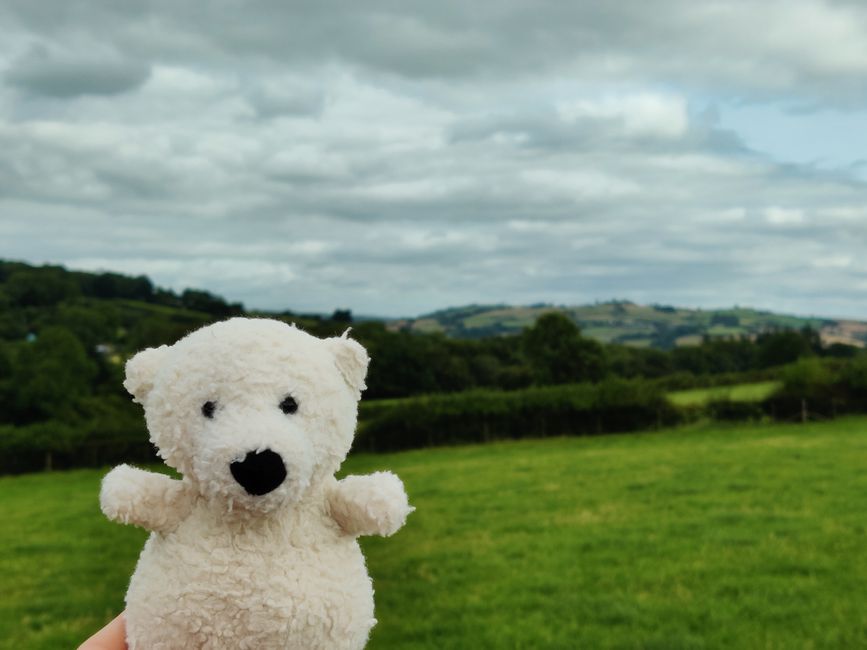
(708, 536)
(747, 392)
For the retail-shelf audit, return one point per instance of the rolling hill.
(625, 322)
(131, 312)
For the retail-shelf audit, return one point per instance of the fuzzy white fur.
(227, 569)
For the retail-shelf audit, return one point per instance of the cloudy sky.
(398, 157)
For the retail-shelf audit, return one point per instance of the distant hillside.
(116, 312)
(657, 326)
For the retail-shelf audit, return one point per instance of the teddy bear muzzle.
(260, 472)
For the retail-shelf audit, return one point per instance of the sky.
(394, 158)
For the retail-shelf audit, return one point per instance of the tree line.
(65, 335)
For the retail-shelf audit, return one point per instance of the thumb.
(111, 637)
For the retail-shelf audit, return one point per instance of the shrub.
(808, 377)
(480, 415)
(106, 431)
(734, 411)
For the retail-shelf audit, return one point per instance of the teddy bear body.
(256, 546)
(298, 569)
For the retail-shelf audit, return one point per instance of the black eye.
(288, 405)
(208, 409)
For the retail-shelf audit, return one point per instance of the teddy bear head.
(254, 412)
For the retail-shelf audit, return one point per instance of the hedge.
(480, 415)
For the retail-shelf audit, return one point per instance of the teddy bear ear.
(351, 359)
(141, 370)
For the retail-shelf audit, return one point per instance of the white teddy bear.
(255, 547)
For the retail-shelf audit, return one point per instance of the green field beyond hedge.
(713, 537)
(751, 392)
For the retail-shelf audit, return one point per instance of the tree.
(91, 324)
(50, 375)
(401, 366)
(626, 361)
(115, 285)
(559, 354)
(7, 380)
(841, 351)
(808, 378)
(209, 303)
(855, 379)
(39, 287)
(782, 347)
(342, 316)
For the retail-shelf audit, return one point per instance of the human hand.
(111, 637)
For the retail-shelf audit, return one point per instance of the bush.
(734, 411)
(854, 377)
(808, 378)
(106, 431)
(481, 415)
(811, 388)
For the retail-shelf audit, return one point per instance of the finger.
(111, 637)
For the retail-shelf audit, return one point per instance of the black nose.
(259, 472)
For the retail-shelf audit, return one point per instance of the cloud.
(70, 74)
(643, 114)
(784, 216)
(398, 158)
(287, 97)
(811, 50)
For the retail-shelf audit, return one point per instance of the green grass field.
(754, 392)
(704, 537)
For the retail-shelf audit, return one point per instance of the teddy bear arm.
(152, 501)
(374, 504)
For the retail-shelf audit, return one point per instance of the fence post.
(804, 414)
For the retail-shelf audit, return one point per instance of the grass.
(705, 537)
(754, 392)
